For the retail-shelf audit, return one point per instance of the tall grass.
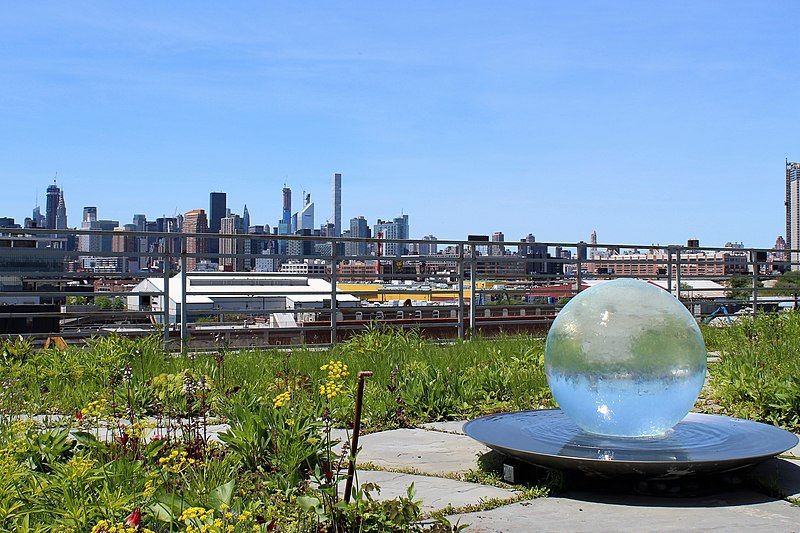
(758, 376)
(414, 380)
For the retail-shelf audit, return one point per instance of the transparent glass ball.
(625, 358)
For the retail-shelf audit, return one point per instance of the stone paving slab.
(794, 452)
(577, 512)
(781, 475)
(431, 452)
(453, 426)
(434, 492)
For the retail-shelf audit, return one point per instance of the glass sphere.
(625, 358)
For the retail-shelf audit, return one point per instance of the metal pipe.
(334, 306)
(472, 274)
(351, 467)
(165, 266)
(184, 329)
(461, 291)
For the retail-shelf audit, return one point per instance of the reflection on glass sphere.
(625, 358)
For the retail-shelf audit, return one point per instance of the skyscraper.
(195, 221)
(61, 212)
(53, 194)
(217, 210)
(792, 205)
(285, 223)
(336, 203)
(230, 225)
(394, 229)
(245, 219)
(286, 217)
(305, 219)
(358, 228)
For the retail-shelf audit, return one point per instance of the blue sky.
(650, 123)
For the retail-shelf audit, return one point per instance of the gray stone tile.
(742, 511)
(426, 451)
(434, 492)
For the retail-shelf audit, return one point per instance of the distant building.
(8, 222)
(336, 203)
(654, 264)
(53, 195)
(359, 228)
(317, 267)
(232, 224)
(61, 212)
(195, 221)
(497, 249)
(245, 219)
(396, 229)
(429, 247)
(217, 210)
(793, 210)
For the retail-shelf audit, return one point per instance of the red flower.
(78, 415)
(134, 519)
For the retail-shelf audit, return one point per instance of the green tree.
(742, 287)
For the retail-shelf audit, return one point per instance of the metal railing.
(460, 289)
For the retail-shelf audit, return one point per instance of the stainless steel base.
(699, 444)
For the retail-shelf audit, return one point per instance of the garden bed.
(131, 439)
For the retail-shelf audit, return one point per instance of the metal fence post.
(754, 260)
(578, 268)
(165, 267)
(472, 310)
(334, 306)
(669, 269)
(678, 271)
(461, 291)
(184, 326)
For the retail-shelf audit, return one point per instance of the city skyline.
(551, 119)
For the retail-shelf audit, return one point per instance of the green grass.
(414, 380)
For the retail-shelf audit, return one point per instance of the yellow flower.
(281, 399)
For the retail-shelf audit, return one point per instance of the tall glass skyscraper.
(217, 210)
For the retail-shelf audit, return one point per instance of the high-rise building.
(217, 210)
(359, 228)
(245, 219)
(793, 210)
(428, 247)
(37, 220)
(305, 218)
(780, 246)
(53, 194)
(497, 249)
(89, 214)
(195, 221)
(286, 216)
(231, 225)
(96, 243)
(396, 229)
(336, 203)
(140, 221)
(61, 212)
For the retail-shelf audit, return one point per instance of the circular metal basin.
(699, 444)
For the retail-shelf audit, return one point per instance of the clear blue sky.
(649, 122)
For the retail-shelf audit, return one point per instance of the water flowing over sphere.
(625, 358)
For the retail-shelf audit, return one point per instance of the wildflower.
(336, 370)
(281, 399)
(330, 389)
(127, 374)
(134, 519)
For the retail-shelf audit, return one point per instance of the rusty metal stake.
(351, 467)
